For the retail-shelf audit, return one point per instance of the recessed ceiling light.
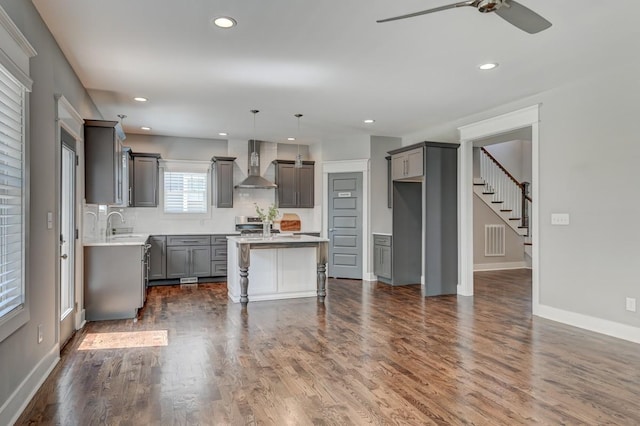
(140, 99)
(222, 134)
(369, 121)
(145, 128)
(488, 66)
(224, 22)
(291, 139)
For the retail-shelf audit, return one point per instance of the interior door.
(345, 225)
(67, 237)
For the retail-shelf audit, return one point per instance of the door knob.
(64, 256)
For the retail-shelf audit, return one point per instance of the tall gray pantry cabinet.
(425, 217)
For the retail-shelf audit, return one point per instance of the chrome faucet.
(109, 217)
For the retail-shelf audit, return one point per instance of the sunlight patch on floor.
(124, 340)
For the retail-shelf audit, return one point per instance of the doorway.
(524, 118)
(68, 235)
(345, 225)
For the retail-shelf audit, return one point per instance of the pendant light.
(298, 163)
(255, 157)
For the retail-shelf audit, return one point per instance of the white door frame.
(348, 166)
(69, 119)
(526, 117)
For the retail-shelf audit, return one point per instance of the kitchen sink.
(127, 237)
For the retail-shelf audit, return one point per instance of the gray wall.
(589, 154)
(380, 214)
(514, 243)
(176, 148)
(19, 353)
(348, 147)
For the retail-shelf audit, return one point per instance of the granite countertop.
(283, 238)
(117, 240)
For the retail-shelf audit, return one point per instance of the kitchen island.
(282, 266)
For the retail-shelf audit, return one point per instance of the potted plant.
(267, 217)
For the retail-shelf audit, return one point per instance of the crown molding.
(7, 23)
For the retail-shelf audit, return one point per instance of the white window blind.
(185, 192)
(12, 234)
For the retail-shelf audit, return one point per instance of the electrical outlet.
(631, 304)
(559, 218)
(40, 335)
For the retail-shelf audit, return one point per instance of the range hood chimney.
(254, 180)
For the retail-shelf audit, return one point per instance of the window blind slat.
(12, 121)
(185, 192)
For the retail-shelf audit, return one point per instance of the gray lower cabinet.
(222, 184)
(114, 281)
(158, 257)
(219, 255)
(188, 256)
(382, 260)
(144, 185)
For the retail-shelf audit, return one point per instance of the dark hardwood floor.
(372, 354)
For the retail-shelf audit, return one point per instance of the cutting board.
(290, 222)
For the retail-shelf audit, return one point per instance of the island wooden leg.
(243, 264)
(244, 285)
(322, 253)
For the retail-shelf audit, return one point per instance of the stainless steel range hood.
(254, 180)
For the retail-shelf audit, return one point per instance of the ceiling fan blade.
(424, 12)
(522, 17)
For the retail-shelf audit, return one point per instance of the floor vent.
(494, 240)
(189, 280)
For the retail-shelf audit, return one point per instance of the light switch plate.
(560, 219)
(631, 304)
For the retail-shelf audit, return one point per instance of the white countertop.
(283, 237)
(118, 240)
(387, 234)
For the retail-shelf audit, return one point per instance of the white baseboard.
(463, 292)
(17, 402)
(370, 277)
(499, 266)
(598, 325)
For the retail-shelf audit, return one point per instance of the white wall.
(515, 156)
(20, 354)
(589, 154)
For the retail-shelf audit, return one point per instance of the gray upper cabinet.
(104, 172)
(144, 188)
(157, 257)
(295, 185)
(222, 185)
(408, 164)
(389, 183)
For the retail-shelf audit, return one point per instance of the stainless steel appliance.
(251, 225)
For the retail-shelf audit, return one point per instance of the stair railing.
(505, 189)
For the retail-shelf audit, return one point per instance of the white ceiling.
(328, 60)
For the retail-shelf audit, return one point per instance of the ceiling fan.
(509, 10)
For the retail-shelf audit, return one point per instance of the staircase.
(504, 195)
